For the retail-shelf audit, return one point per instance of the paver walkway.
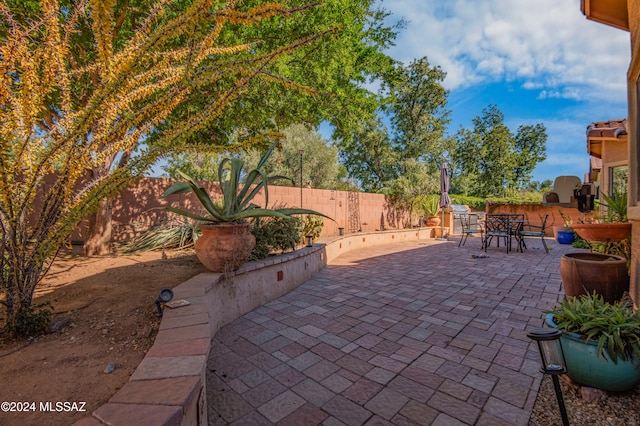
(406, 333)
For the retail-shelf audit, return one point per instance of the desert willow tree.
(64, 124)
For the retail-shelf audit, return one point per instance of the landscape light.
(166, 294)
(553, 363)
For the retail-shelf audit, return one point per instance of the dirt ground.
(109, 305)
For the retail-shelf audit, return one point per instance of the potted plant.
(430, 208)
(226, 242)
(564, 234)
(611, 227)
(604, 272)
(600, 341)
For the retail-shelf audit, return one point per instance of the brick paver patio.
(419, 333)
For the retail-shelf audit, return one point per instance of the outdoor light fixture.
(309, 240)
(553, 363)
(166, 294)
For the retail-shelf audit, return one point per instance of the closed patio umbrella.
(445, 201)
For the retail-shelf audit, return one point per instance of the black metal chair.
(497, 225)
(535, 231)
(469, 228)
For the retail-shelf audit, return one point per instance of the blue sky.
(539, 61)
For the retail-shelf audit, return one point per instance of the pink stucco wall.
(139, 207)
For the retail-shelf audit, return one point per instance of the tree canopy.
(414, 101)
(304, 150)
(490, 160)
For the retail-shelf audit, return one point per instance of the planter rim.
(550, 321)
(603, 232)
(593, 257)
(614, 225)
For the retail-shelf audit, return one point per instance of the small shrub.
(274, 234)
(31, 321)
(166, 236)
(311, 225)
(475, 203)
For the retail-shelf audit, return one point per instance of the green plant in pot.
(611, 227)
(600, 341)
(429, 206)
(226, 242)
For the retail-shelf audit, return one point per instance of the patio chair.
(497, 225)
(469, 228)
(516, 224)
(529, 230)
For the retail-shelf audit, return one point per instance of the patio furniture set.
(501, 226)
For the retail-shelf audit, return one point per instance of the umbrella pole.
(442, 237)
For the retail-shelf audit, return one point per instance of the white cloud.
(548, 44)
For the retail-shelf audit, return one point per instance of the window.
(618, 179)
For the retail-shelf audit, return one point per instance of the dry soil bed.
(108, 302)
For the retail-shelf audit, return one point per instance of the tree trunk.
(98, 240)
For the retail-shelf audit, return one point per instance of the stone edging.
(168, 387)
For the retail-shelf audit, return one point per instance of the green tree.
(369, 156)
(415, 102)
(79, 100)
(490, 160)
(200, 165)
(408, 189)
(530, 149)
(417, 107)
(320, 166)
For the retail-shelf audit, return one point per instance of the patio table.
(503, 226)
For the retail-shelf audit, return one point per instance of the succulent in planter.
(429, 204)
(600, 342)
(615, 326)
(227, 242)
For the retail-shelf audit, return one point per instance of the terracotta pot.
(433, 220)
(225, 247)
(584, 273)
(603, 232)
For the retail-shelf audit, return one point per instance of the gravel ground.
(617, 409)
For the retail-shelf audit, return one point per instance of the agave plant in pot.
(600, 341)
(226, 242)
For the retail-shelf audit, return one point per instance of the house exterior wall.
(615, 153)
(633, 75)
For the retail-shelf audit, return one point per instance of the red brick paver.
(412, 333)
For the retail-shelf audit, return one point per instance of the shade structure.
(445, 201)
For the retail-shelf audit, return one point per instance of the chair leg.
(546, 250)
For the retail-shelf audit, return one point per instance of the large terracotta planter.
(225, 247)
(603, 232)
(584, 273)
(585, 366)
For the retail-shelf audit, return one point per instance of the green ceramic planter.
(586, 368)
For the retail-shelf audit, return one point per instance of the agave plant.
(237, 197)
(616, 207)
